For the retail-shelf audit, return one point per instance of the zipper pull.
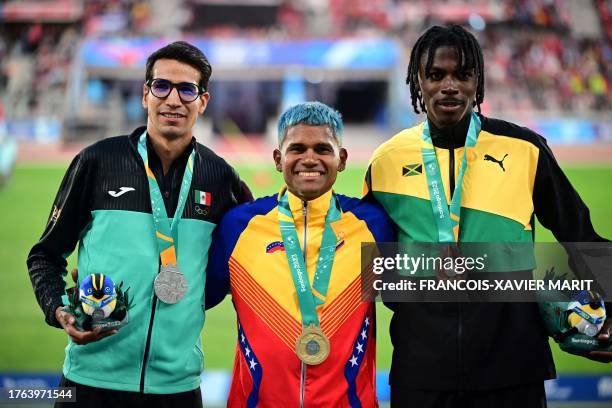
(305, 216)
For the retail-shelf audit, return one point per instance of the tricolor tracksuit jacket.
(248, 248)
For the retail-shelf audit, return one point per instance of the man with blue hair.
(305, 336)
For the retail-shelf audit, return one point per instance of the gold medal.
(312, 346)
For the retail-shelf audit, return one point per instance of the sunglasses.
(187, 91)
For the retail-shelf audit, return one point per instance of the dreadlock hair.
(469, 55)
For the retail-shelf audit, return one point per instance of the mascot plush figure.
(97, 302)
(98, 296)
(575, 320)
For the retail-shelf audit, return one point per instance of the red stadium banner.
(61, 11)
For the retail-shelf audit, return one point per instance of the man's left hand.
(605, 334)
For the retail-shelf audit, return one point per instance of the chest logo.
(203, 198)
(201, 210)
(412, 169)
(121, 191)
(279, 246)
(488, 157)
(275, 246)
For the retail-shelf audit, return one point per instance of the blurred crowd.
(35, 70)
(546, 73)
(533, 60)
(604, 9)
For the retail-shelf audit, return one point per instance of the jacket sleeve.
(217, 270)
(366, 187)
(557, 205)
(560, 209)
(68, 218)
(243, 193)
(380, 224)
(384, 230)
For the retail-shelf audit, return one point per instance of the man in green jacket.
(142, 209)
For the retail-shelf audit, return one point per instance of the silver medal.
(170, 284)
(98, 314)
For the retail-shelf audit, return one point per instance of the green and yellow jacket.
(511, 177)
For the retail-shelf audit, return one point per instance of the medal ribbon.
(307, 300)
(448, 223)
(166, 232)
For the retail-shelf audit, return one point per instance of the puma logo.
(493, 159)
(121, 191)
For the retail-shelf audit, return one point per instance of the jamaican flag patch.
(412, 169)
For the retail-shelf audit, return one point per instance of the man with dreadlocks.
(469, 354)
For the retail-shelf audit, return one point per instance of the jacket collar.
(451, 137)
(317, 206)
(135, 136)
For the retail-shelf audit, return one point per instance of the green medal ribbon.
(166, 233)
(307, 300)
(448, 223)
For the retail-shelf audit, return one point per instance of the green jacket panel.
(121, 244)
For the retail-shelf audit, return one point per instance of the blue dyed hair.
(311, 113)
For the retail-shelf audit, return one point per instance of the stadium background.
(71, 72)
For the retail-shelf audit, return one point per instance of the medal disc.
(170, 284)
(312, 346)
(448, 255)
(98, 314)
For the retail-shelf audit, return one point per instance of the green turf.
(28, 344)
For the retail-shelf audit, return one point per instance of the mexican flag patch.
(202, 197)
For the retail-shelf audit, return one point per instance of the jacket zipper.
(304, 253)
(451, 177)
(145, 358)
(459, 347)
(451, 171)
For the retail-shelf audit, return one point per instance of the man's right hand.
(67, 321)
